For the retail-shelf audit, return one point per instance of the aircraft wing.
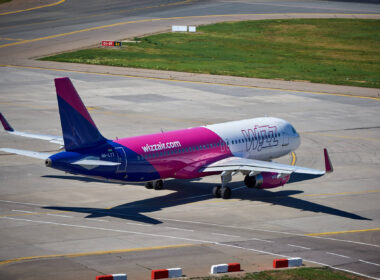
(51, 138)
(26, 153)
(242, 164)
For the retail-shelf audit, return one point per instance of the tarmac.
(56, 225)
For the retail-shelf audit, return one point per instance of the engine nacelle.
(266, 180)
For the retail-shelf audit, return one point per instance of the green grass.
(4, 1)
(332, 51)
(292, 274)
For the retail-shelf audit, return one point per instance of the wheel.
(158, 185)
(216, 191)
(225, 192)
(149, 185)
(249, 181)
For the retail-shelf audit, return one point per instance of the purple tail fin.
(78, 128)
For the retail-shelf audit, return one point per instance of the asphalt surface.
(55, 225)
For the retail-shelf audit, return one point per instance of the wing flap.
(243, 164)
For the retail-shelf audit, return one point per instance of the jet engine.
(266, 180)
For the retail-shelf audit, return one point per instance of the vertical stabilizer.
(78, 128)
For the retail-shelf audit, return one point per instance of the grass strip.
(291, 274)
(331, 51)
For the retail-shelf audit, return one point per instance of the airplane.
(246, 146)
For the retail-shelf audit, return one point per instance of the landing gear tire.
(149, 185)
(158, 185)
(225, 192)
(249, 182)
(216, 192)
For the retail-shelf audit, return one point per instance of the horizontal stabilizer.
(5, 123)
(26, 153)
(51, 138)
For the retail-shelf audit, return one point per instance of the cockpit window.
(293, 130)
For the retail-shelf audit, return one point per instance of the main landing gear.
(223, 191)
(157, 185)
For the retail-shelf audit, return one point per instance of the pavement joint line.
(342, 232)
(291, 91)
(95, 253)
(33, 8)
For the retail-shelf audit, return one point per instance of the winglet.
(328, 166)
(6, 125)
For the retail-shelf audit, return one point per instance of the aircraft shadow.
(190, 191)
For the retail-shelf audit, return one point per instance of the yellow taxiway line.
(95, 253)
(294, 158)
(34, 8)
(342, 232)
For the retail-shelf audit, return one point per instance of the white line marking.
(369, 262)
(135, 224)
(306, 248)
(183, 238)
(338, 255)
(341, 269)
(222, 234)
(266, 230)
(109, 229)
(224, 226)
(22, 211)
(98, 220)
(56, 215)
(263, 240)
(180, 229)
(23, 203)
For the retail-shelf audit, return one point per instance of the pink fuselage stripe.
(68, 93)
(181, 153)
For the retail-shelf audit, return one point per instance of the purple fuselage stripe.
(180, 153)
(67, 92)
